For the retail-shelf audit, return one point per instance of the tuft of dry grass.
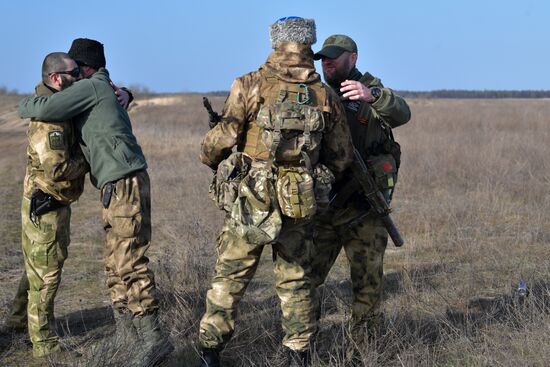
(472, 202)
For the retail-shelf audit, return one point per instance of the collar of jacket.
(42, 90)
(292, 62)
(354, 74)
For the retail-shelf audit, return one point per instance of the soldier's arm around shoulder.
(390, 106)
(219, 141)
(61, 159)
(61, 106)
(337, 147)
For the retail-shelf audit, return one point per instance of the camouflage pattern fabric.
(239, 251)
(127, 224)
(56, 166)
(17, 316)
(44, 250)
(55, 163)
(237, 262)
(291, 63)
(364, 239)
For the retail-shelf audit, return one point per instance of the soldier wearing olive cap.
(372, 111)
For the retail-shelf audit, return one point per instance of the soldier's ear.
(353, 58)
(54, 79)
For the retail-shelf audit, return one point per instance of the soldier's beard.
(335, 76)
(66, 82)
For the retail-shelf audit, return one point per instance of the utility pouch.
(295, 192)
(42, 203)
(224, 188)
(384, 170)
(107, 193)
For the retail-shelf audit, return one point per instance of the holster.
(42, 203)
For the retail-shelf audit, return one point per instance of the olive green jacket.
(103, 126)
(365, 119)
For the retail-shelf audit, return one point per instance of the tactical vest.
(287, 134)
(290, 121)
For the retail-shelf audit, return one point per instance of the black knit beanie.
(88, 52)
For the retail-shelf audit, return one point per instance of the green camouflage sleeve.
(61, 160)
(220, 140)
(390, 106)
(337, 147)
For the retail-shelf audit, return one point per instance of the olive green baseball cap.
(335, 45)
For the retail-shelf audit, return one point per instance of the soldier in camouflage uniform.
(243, 124)
(55, 169)
(372, 111)
(118, 169)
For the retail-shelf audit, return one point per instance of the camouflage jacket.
(55, 163)
(365, 119)
(291, 63)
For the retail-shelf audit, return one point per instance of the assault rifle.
(364, 180)
(214, 116)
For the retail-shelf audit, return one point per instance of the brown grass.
(472, 203)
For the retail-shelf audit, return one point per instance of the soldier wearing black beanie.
(88, 52)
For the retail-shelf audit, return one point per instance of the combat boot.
(155, 346)
(125, 329)
(296, 358)
(210, 357)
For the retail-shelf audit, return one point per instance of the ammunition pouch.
(42, 203)
(295, 192)
(224, 188)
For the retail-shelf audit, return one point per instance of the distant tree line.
(455, 93)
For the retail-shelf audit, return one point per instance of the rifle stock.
(375, 198)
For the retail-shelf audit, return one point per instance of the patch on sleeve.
(56, 140)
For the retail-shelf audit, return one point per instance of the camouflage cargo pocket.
(125, 220)
(295, 192)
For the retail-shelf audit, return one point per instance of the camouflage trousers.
(127, 224)
(17, 315)
(44, 250)
(235, 267)
(364, 240)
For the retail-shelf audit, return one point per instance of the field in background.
(472, 202)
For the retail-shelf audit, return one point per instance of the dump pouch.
(224, 188)
(255, 216)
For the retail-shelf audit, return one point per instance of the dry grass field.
(472, 202)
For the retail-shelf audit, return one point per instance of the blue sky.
(200, 46)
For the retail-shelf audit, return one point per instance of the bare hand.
(355, 90)
(122, 96)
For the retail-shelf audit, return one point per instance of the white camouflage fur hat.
(292, 29)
